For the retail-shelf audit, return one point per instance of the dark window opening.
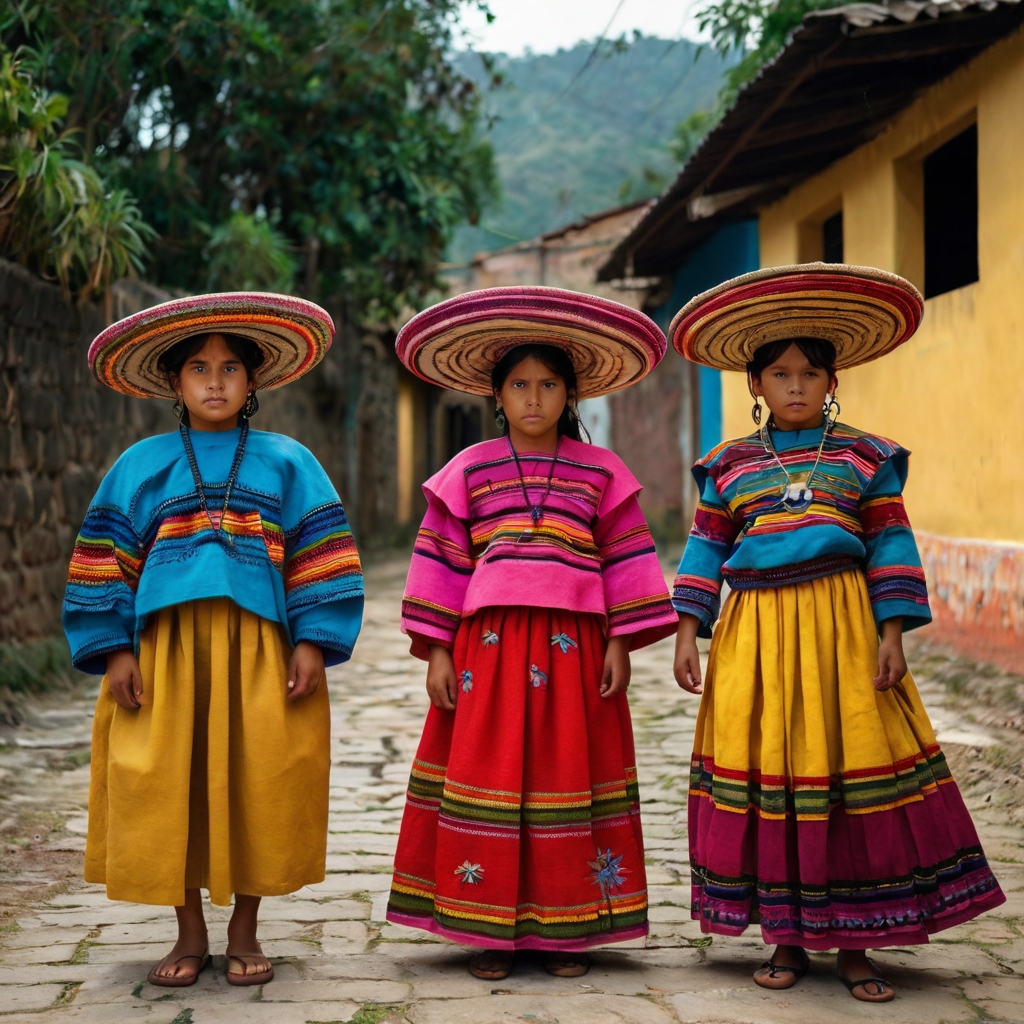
(465, 427)
(832, 238)
(951, 214)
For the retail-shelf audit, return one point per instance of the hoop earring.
(832, 408)
(251, 407)
(499, 419)
(179, 407)
(755, 413)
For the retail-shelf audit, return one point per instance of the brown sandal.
(246, 959)
(178, 980)
(567, 965)
(500, 961)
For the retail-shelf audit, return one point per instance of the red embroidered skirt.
(522, 822)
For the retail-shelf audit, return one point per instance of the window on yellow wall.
(832, 238)
(821, 234)
(951, 214)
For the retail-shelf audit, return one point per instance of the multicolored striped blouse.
(285, 550)
(744, 534)
(591, 550)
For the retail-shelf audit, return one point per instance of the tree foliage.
(756, 28)
(56, 213)
(332, 136)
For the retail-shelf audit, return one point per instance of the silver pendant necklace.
(797, 495)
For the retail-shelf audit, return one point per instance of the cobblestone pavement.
(68, 954)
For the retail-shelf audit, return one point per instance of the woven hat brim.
(457, 343)
(293, 334)
(863, 311)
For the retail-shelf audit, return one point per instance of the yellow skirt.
(217, 781)
(821, 808)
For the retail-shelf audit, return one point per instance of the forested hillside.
(571, 139)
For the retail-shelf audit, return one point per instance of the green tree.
(340, 126)
(56, 214)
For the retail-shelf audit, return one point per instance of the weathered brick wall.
(60, 430)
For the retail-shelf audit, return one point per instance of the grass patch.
(35, 667)
(1001, 758)
(374, 1013)
(185, 1017)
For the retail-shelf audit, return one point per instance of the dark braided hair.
(559, 363)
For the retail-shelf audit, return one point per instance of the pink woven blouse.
(591, 550)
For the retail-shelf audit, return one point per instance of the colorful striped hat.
(863, 311)
(294, 335)
(458, 342)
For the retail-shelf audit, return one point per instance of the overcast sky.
(546, 25)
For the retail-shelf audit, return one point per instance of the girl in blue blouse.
(821, 806)
(214, 577)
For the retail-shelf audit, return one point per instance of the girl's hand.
(305, 670)
(441, 686)
(892, 664)
(125, 679)
(687, 662)
(615, 678)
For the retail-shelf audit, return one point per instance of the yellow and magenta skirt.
(820, 808)
(218, 781)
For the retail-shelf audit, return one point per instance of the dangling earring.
(499, 419)
(179, 407)
(251, 407)
(755, 413)
(832, 408)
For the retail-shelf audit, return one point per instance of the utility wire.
(590, 59)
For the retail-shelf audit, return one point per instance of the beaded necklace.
(536, 510)
(232, 478)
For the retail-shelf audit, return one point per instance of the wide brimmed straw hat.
(458, 342)
(863, 311)
(294, 335)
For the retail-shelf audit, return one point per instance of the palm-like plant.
(56, 215)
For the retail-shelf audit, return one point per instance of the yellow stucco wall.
(954, 394)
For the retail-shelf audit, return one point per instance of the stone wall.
(60, 430)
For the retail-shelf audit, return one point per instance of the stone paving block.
(26, 956)
(359, 990)
(41, 974)
(15, 998)
(356, 881)
(535, 1009)
(272, 1013)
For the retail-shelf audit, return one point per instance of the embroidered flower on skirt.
(471, 874)
(564, 642)
(608, 873)
(489, 638)
(537, 677)
(467, 681)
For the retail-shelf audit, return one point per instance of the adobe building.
(891, 136)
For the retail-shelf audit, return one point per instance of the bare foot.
(246, 963)
(491, 964)
(786, 967)
(861, 977)
(190, 954)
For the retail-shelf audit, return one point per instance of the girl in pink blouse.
(533, 576)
